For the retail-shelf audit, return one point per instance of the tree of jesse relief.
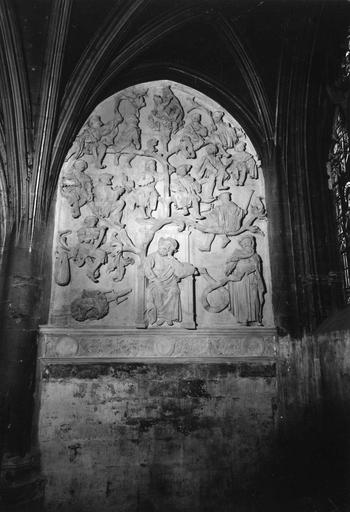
(156, 182)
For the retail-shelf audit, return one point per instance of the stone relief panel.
(161, 219)
(157, 343)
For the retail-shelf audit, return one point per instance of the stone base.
(90, 344)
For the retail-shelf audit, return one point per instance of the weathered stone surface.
(210, 343)
(154, 436)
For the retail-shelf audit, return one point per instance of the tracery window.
(339, 181)
(338, 170)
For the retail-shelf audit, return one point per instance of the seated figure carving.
(185, 191)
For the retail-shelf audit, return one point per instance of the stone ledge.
(92, 344)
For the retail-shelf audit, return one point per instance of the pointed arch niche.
(160, 243)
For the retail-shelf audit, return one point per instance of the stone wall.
(154, 436)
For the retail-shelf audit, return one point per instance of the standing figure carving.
(167, 116)
(107, 199)
(88, 251)
(76, 187)
(245, 283)
(145, 195)
(185, 191)
(243, 164)
(163, 272)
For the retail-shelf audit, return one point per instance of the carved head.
(167, 92)
(157, 100)
(91, 221)
(196, 117)
(152, 144)
(139, 95)
(240, 146)
(224, 197)
(151, 166)
(95, 121)
(182, 170)
(217, 116)
(167, 246)
(106, 178)
(211, 149)
(187, 147)
(80, 165)
(247, 241)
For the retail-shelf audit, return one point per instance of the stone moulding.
(91, 344)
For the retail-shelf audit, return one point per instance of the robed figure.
(164, 272)
(245, 284)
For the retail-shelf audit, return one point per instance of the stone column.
(19, 478)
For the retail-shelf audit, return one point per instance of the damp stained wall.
(149, 437)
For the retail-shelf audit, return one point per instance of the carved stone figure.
(94, 304)
(94, 139)
(117, 263)
(151, 146)
(76, 187)
(225, 218)
(184, 148)
(211, 173)
(128, 138)
(166, 116)
(245, 284)
(196, 131)
(62, 265)
(222, 134)
(88, 250)
(163, 272)
(145, 195)
(243, 164)
(129, 105)
(185, 191)
(107, 199)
